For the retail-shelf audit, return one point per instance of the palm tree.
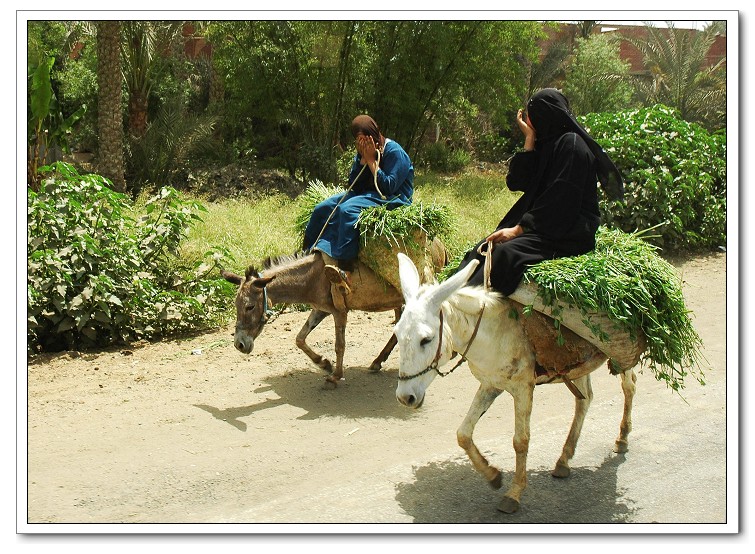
(585, 28)
(110, 117)
(145, 45)
(547, 71)
(678, 74)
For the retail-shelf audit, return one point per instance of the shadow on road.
(362, 394)
(452, 492)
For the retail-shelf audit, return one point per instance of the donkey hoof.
(375, 367)
(331, 381)
(621, 447)
(330, 384)
(561, 471)
(496, 481)
(508, 505)
(325, 365)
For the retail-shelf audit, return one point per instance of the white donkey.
(441, 320)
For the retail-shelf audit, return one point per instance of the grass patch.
(251, 230)
(477, 201)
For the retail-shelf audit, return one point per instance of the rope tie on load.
(486, 250)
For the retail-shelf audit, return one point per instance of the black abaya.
(558, 210)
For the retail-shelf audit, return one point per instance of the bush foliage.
(98, 276)
(674, 173)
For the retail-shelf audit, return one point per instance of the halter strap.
(434, 364)
(267, 313)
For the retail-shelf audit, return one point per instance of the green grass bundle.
(384, 232)
(625, 278)
(392, 225)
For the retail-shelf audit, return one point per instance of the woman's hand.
(527, 130)
(505, 234)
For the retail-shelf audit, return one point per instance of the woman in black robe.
(558, 213)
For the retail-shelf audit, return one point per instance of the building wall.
(568, 32)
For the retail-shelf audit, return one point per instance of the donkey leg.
(482, 401)
(581, 405)
(340, 321)
(522, 413)
(377, 363)
(314, 319)
(628, 385)
(397, 314)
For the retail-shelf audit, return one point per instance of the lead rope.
(377, 151)
(486, 272)
(486, 276)
(486, 253)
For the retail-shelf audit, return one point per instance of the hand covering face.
(551, 117)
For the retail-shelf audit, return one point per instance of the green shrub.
(98, 276)
(493, 147)
(674, 173)
(597, 79)
(437, 156)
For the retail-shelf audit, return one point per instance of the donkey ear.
(261, 282)
(231, 277)
(438, 294)
(408, 276)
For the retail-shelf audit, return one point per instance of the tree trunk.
(110, 117)
(137, 114)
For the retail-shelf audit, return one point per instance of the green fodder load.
(625, 279)
(625, 282)
(385, 232)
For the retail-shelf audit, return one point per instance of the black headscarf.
(551, 117)
(366, 125)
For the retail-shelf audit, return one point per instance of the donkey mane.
(285, 259)
(270, 263)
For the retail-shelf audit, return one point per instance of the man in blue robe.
(382, 174)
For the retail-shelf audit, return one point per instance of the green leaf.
(41, 91)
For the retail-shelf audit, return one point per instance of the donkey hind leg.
(580, 411)
(314, 319)
(483, 399)
(628, 385)
(522, 413)
(377, 363)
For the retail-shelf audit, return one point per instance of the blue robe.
(340, 238)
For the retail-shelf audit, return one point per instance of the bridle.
(267, 313)
(434, 364)
(485, 249)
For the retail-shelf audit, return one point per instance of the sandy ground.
(192, 432)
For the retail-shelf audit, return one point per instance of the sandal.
(339, 278)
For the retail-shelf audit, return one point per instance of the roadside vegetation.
(127, 226)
